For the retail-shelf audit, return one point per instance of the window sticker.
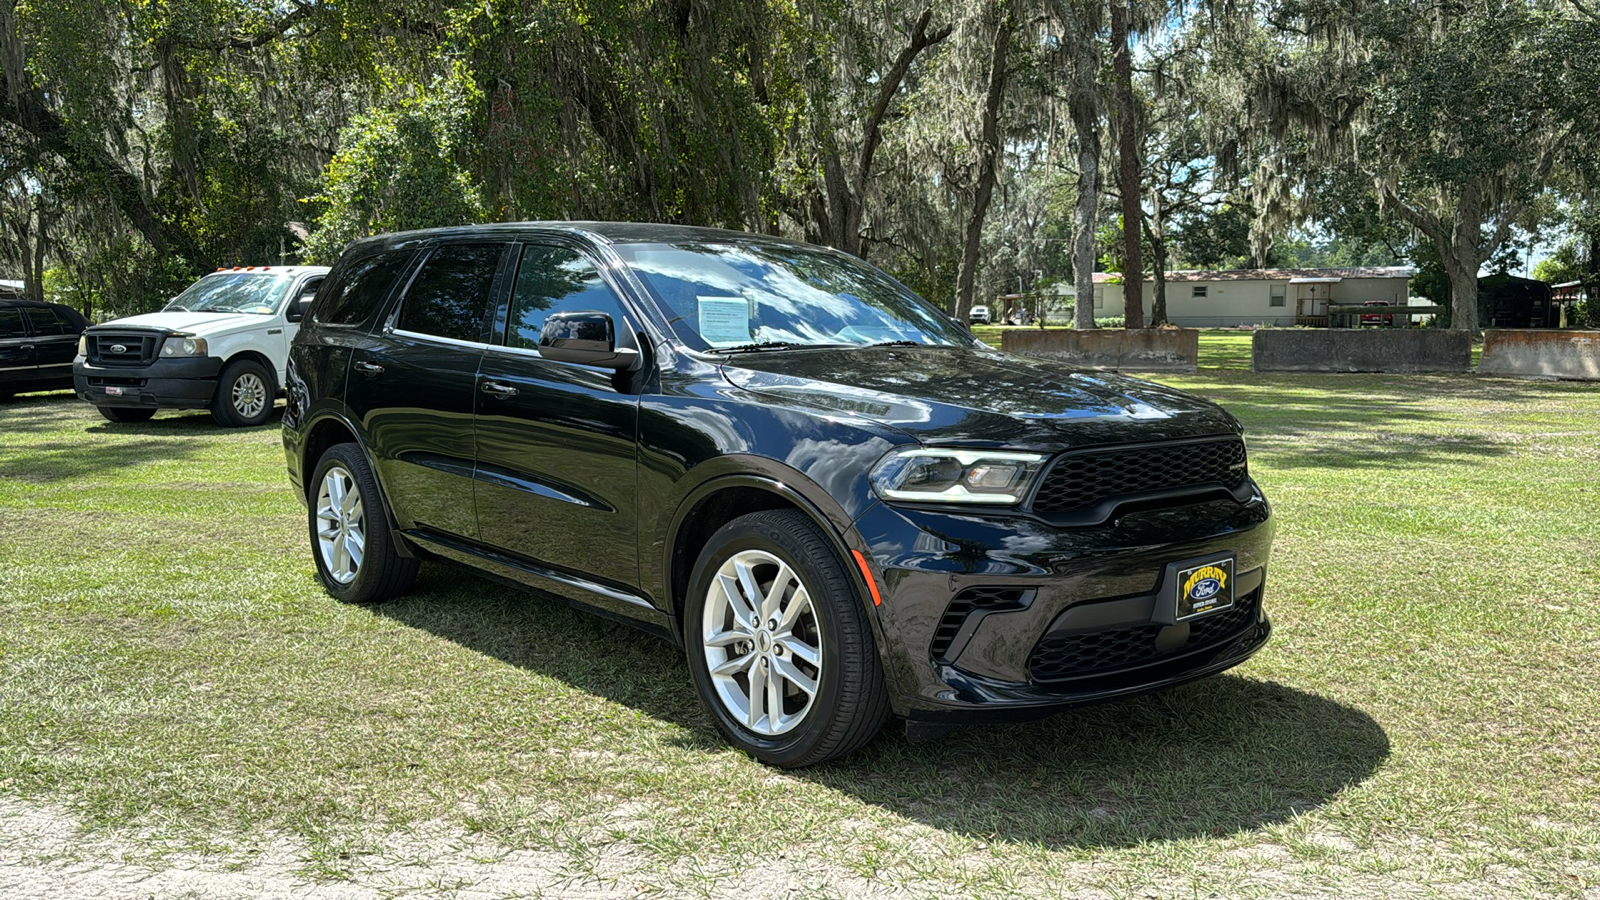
(724, 321)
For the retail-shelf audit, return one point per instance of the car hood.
(978, 397)
(198, 323)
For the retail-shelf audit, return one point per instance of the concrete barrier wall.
(1361, 350)
(1110, 349)
(1539, 353)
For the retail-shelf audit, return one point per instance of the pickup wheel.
(244, 395)
(350, 541)
(126, 415)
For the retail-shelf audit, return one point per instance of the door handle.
(502, 391)
(367, 368)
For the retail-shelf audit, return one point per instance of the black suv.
(37, 344)
(840, 503)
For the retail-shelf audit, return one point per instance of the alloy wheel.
(341, 531)
(762, 642)
(249, 395)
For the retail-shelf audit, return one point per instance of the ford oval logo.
(118, 348)
(1206, 589)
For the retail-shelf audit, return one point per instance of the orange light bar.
(877, 599)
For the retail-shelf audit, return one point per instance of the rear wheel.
(350, 541)
(126, 414)
(779, 643)
(244, 395)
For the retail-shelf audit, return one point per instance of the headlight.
(183, 346)
(934, 475)
(83, 345)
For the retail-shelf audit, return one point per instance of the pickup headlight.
(178, 345)
(83, 345)
(935, 475)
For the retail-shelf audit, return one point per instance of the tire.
(126, 415)
(824, 646)
(244, 395)
(340, 523)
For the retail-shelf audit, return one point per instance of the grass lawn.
(1424, 723)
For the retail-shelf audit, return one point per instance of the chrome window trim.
(434, 338)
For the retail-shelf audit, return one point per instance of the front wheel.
(350, 541)
(244, 395)
(126, 415)
(779, 643)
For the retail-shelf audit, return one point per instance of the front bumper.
(187, 383)
(988, 617)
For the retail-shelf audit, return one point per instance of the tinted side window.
(11, 323)
(45, 322)
(69, 322)
(361, 289)
(450, 296)
(555, 279)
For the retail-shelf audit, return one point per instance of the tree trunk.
(1462, 258)
(1082, 106)
(989, 165)
(847, 194)
(34, 288)
(1158, 248)
(1127, 168)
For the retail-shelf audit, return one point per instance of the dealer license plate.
(113, 391)
(1204, 589)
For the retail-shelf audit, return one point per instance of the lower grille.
(1058, 657)
(966, 603)
(124, 349)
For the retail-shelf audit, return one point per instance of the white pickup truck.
(221, 345)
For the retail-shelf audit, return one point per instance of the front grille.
(137, 349)
(1083, 480)
(965, 604)
(1061, 656)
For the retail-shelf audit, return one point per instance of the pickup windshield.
(738, 296)
(233, 292)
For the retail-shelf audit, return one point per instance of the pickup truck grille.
(124, 349)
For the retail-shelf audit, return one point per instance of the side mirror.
(298, 306)
(586, 338)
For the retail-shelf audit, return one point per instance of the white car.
(979, 314)
(220, 345)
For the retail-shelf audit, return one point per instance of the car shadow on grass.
(88, 445)
(1226, 754)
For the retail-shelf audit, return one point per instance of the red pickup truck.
(1376, 318)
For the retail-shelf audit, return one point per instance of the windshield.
(737, 295)
(234, 292)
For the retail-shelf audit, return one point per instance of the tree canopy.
(973, 149)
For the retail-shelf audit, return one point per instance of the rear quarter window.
(359, 288)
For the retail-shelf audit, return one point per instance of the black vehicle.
(840, 503)
(37, 344)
